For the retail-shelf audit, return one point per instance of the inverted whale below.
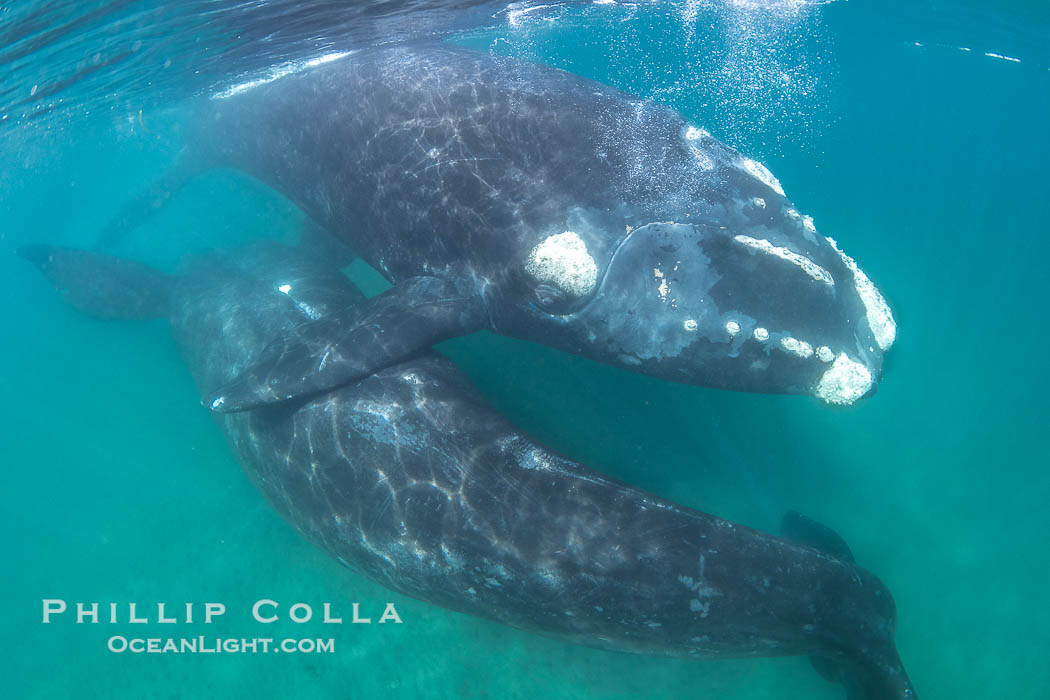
(410, 478)
(500, 194)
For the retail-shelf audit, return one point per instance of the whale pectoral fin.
(875, 675)
(343, 347)
(885, 682)
(136, 211)
(843, 673)
(803, 530)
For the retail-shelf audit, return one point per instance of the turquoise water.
(925, 161)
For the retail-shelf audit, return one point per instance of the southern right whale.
(500, 194)
(410, 478)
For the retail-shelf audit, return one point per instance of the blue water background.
(928, 164)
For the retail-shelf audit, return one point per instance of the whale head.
(751, 299)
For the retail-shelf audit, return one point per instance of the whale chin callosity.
(749, 300)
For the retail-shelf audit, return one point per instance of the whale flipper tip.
(805, 530)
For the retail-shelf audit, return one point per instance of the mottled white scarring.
(844, 382)
(702, 158)
(695, 134)
(563, 261)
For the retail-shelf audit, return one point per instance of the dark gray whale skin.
(447, 170)
(410, 478)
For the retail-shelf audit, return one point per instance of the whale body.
(500, 194)
(410, 478)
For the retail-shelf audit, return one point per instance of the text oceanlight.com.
(219, 645)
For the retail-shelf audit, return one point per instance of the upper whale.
(496, 193)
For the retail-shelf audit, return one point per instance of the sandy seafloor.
(930, 168)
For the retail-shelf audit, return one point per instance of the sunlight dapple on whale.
(504, 195)
(409, 477)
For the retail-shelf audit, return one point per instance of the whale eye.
(551, 299)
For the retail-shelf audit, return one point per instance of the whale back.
(439, 154)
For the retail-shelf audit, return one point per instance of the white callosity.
(761, 335)
(796, 346)
(662, 289)
(563, 261)
(844, 382)
(692, 133)
(762, 174)
(880, 318)
(824, 354)
(732, 328)
(690, 324)
(808, 266)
